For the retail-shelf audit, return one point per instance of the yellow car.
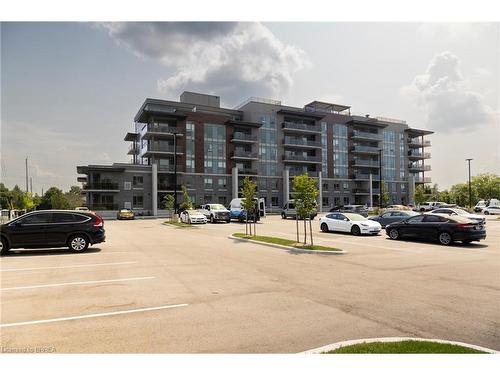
(125, 215)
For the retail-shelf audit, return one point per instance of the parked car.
(399, 207)
(82, 209)
(352, 208)
(215, 212)
(52, 228)
(290, 211)
(193, 217)
(444, 228)
(392, 216)
(125, 214)
(480, 206)
(237, 212)
(492, 210)
(429, 206)
(460, 212)
(348, 222)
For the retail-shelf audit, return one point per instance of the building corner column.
(411, 190)
(154, 188)
(286, 185)
(234, 182)
(371, 190)
(320, 182)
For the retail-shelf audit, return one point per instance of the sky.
(69, 91)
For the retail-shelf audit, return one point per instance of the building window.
(345, 185)
(222, 200)
(215, 148)
(325, 201)
(138, 181)
(340, 151)
(222, 183)
(138, 201)
(189, 146)
(346, 200)
(389, 155)
(268, 156)
(208, 183)
(324, 148)
(325, 186)
(274, 201)
(336, 186)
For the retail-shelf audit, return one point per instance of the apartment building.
(209, 149)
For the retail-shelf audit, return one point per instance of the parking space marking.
(98, 315)
(76, 283)
(62, 267)
(20, 255)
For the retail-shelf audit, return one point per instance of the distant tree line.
(483, 186)
(53, 198)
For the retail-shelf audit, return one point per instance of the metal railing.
(163, 129)
(358, 148)
(419, 167)
(368, 135)
(244, 137)
(365, 176)
(247, 171)
(301, 157)
(421, 155)
(245, 154)
(101, 186)
(300, 126)
(418, 142)
(157, 148)
(365, 163)
(300, 142)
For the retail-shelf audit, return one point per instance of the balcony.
(244, 155)
(363, 135)
(419, 168)
(243, 138)
(164, 150)
(103, 207)
(300, 143)
(417, 143)
(289, 158)
(161, 132)
(365, 163)
(365, 176)
(365, 149)
(247, 171)
(168, 187)
(293, 172)
(412, 155)
(170, 168)
(101, 186)
(300, 128)
(422, 180)
(132, 150)
(361, 191)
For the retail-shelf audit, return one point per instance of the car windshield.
(460, 211)
(193, 212)
(217, 207)
(354, 217)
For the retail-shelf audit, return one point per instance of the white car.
(348, 222)
(491, 210)
(459, 212)
(193, 217)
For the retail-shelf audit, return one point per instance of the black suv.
(53, 228)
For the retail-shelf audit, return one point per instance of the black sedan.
(393, 216)
(442, 228)
(52, 228)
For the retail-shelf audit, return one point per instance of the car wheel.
(4, 246)
(228, 220)
(283, 216)
(486, 213)
(78, 243)
(324, 227)
(212, 220)
(189, 221)
(393, 234)
(445, 238)
(355, 230)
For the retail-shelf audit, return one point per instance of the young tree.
(305, 193)
(248, 202)
(419, 195)
(74, 197)
(168, 203)
(186, 204)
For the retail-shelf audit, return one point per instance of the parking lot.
(156, 288)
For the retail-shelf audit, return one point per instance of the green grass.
(285, 242)
(178, 224)
(404, 347)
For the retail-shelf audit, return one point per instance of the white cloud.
(41, 172)
(234, 60)
(441, 92)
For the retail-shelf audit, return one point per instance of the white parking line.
(62, 267)
(76, 283)
(5, 325)
(51, 255)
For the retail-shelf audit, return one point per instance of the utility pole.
(31, 185)
(26, 169)
(470, 187)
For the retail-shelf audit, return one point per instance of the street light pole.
(381, 183)
(470, 187)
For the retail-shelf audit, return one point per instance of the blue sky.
(70, 90)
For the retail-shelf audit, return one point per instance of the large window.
(215, 148)
(340, 149)
(189, 147)
(389, 155)
(268, 156)
(324, 149)
(402, 157)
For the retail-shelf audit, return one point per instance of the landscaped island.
(285, 242)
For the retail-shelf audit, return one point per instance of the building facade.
(209, 149)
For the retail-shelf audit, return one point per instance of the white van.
(235, 207)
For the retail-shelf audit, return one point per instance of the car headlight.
(364, 225)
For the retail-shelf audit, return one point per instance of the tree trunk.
(311, 231)
(305, 232)
(297, 222)
(255, 224)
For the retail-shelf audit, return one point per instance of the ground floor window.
(274, 201)
(325, 201)
(138, 201)
(346, 200)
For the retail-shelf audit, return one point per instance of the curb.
(340, 344)
(289, 248)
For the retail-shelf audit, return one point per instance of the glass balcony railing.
(366, 135)
(301, 126)
(370, 149)
(244, 137)
(366, 163)
(101, 186)
(300, 142)
(302, 158)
